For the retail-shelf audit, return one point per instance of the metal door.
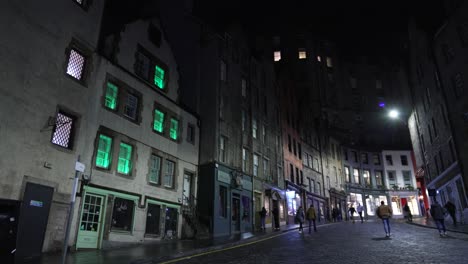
(32, 224)
(92, 213)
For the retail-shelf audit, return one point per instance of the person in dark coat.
(351, 212)
(263, 213)
(276, 217)
(300, 217)
(451, 209)
(438, 214)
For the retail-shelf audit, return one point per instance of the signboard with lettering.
(36, 203)
(224, 177)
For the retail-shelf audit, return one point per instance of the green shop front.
(111, 215)
(226, 196)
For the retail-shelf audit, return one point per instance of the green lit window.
(159, 77)
(103, 157)
(125, 159)
(158, 121)
(111, 96)
(174, 129)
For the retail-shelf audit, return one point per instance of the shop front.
(320, 205)
(294, 199)
(227, 195)
(337, 203)
(400, 198)
(274, 198)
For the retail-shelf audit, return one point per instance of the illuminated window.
(122, 215)
(357, 179)
(366, 176)
(174, 131)
(63, 130)
(125, 159)
(76, 64)
(319, 59)
(255, 165)
(329, 62)
(169, 174)
(302, 53)
(378, 178)
(150, 69)
(158, 125)
(154, 169)
(103, 155)
(277, 56)
(111, 96)
(159, 77)
(346, 170)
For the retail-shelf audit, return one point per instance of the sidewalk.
(429, 223)
(162, 251)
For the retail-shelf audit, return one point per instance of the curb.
(433, 227)
(214, 248)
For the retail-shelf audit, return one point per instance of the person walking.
(351, 211)
(263, 213)
(385, 212)
(300, 217)
(311, 216)
(407, 213)
(438, 214)
(452, 211)
(360, 208)
(335, 214)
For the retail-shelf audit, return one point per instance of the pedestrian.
(407, 213)
(300, 217)
(384, 212)
(311, 216)
(335, 214)
(360, 208)
(438, 214)
(276, 217)
(263, 213)
(452, 211)
(351, 211)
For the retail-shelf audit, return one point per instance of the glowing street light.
(393, 114)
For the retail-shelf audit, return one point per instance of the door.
(92, 214)
(187, 192)
(32, 225)
(235, 215)
(153, 217)
(258, 209)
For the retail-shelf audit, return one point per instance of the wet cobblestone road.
(349, 243)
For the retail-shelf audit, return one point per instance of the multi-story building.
(400, 180)
(364, 177)
(235, 95)
(107, 99)
(437, 122)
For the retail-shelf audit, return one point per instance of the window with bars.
(63, 130)
(169, 174)
(150, 69)
(124, 165)
(159, 117)
(104, 155)
(76, 64)
(154, 169)
(174, 130)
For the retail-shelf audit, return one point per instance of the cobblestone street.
(348, 243)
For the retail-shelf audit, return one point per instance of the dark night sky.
(361, 25)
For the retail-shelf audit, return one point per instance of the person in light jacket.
(311, 216)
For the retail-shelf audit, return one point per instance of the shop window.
(222, 201)
(153, 216)
(171, 222)
(122, 215)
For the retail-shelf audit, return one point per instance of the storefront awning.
(275, 194)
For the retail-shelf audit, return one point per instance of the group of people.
(311, 216)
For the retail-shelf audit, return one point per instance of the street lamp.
(393, 114)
